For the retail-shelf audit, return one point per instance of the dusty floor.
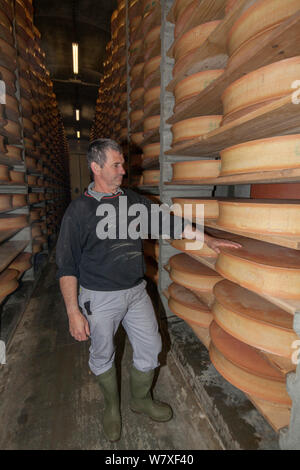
(50, 400)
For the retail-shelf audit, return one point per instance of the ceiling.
(87, 22)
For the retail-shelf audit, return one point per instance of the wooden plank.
(264, 53)
(9, 250)
(277, 118)
(277, 416)
(215, 45)
(281, 240)
(274, 176)
(207, 10)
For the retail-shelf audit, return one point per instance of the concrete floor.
(50, 400)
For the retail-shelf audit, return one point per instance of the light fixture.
(78, 134)
(75, 57)
(77, 114)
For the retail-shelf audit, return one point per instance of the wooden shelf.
(208, 10)
(275, 176)
(9, 251)
(262, 54)
(281, 240)
(277, 416)
(277, 118)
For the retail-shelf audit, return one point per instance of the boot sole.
(153, 419)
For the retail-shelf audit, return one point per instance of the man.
(112, 286)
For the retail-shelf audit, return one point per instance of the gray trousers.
(131, 307)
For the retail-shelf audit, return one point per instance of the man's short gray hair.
(98, 148)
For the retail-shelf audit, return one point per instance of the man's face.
(113, 171)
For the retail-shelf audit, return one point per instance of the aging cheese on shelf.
(259, 87)
(191, 274)
(262, 267)
(253, 320)
(19, 200)
(137, 138)
(194, 127)
(274, 153)
(179, 7)
(185, 16)
(192, 209)
(153, 94)
(4, 173)
(245, 368)
(152, 36)
(261, 17)
(5, 202)
(193, 85)
(194, 38)
(151, 66)
(196, 170)
(260, 216)
(151, 123)
(8, 282)
(188, 306)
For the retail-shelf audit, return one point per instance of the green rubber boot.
(111, 417)
(141, 400)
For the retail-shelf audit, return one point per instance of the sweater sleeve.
(68, 248)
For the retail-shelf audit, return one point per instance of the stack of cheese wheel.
(186, 305)
(151, 124)
(136, 96)
(245, 368)
(191, 274)
(195, 170)
(255, 24)
(190, 41)
(260, 216)
(195, 209)
(194, 248)
(151, 177)
(274, 153)
(192, 86)
(152, 95)
(253, 320)
(259, 87)
(152, 70)
(262, 267)
(194, 127)
(151, 39)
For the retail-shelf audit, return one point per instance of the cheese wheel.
(12, 221)
(260, 17)
(17, 176)
(8, 282)
(194, 247)
(260, 87)
(136, 115)
(5, 202)
(151, 123)
(192, 209)
(151, 150)
(275, 153)
(179, 7)
(151, 66)
(151, 177)
(136, 71)
(13, 128)
(191, 274)
(13, 152)
(184, 18)
(260, 216)
(12, 104)
(188, 306)
(194, 127)
(194, 84)
(21, 263)
(245, 368)
(4, 173)
(194, 38)
(153, 94)
(19, 200)
(136, 94)
(262, 268)
(196, 170)
(253, 320)
(137, 138)
(152, 36)
(136, 48)
(35, 214)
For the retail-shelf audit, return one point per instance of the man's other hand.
(79, 326)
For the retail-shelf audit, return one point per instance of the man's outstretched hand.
(213, 243)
